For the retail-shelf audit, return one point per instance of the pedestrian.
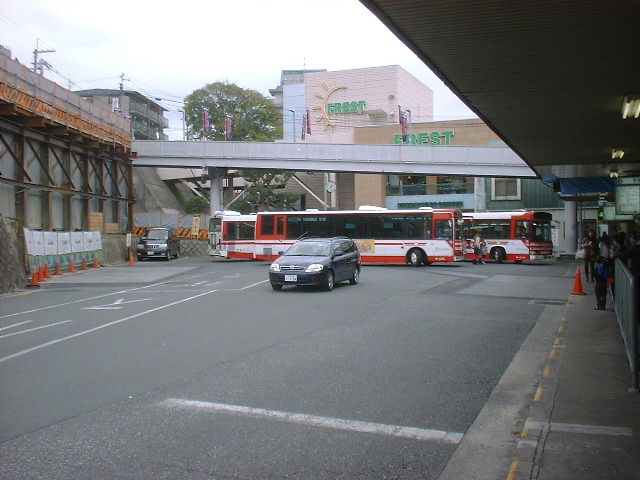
(604, 245)
(602, 276)
(590, 253)
(478, 244)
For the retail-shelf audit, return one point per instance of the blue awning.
(582, 185)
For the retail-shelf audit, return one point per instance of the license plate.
(150, 253)
(291, 278)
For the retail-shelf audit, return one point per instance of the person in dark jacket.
(590, 246)
(602, 274)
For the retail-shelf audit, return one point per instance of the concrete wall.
(13, 274)
(114, 248)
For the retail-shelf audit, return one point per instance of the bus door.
(443, 228)
(272, 233)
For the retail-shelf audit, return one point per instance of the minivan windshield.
(311, 249)
(157, 234)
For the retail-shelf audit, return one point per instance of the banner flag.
(308, 121)
(228, 132)
(206, 128)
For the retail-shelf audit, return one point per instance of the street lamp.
(293, 112)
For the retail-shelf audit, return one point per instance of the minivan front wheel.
(329, 282)
(356, 277)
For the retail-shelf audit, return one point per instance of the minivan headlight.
(274, 267)
(314, 268)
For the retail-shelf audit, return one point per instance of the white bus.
(416, 237)
(514, 235)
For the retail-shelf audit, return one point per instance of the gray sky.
(169, 48)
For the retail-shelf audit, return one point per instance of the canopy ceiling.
(548, 77)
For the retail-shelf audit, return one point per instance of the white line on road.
(14, 325)
(317, 421)
(249, 286)
(115, 322)
(117, 305)
(100, 327)
(577, 428)
(36, 328)
(80, 300)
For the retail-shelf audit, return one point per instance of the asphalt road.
(197, 369)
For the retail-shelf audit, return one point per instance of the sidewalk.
(562, 409)
(583, 422)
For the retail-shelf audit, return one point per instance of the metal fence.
(626, 307)
(168, 220)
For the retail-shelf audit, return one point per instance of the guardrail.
(626, 307)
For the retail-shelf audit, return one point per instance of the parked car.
(317, 261)
(159, 242)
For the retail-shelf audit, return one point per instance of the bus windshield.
(539, 231)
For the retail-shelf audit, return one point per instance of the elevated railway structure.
(64, 162)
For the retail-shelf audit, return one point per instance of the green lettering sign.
(425, 138)
(346, 107)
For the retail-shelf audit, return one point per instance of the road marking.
(553, 354)
(317, 421)
(577, 428)
(513, 469)
(561, 328)
(546, 372)
(14, 325)
(81, 300)
(100, 327)
(117, 305)
(558, 340)
(252, 285)
(538, 395)
(196, 284)
(36, 328)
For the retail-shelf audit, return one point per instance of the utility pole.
(122, 80)
(39, 65)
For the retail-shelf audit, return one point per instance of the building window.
(505, 189)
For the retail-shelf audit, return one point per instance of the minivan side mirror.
(337, 253)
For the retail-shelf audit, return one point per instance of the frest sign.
(345, 107)
(425, 138)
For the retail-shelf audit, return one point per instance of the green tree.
(196, 205)
(255, 117)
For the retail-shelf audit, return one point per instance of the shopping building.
(361, 106)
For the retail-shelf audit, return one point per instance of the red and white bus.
(416, 237)
(516, 235)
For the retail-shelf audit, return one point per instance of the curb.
(489, 446)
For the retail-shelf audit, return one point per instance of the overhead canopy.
(549, 77)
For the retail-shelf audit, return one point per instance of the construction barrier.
(47, 248)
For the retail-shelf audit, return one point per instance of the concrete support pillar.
(215, 190)
(479, 194)
(570, 227)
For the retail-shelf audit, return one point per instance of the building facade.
(146, 117)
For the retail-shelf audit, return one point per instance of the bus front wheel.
(415, 257)
(498, 254)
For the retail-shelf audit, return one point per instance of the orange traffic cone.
(72, 265)
(96, 264)
(58, 270)
(577, 284)
(131, 259)
(40, 273)
(34, 278)
(47, 273)
(84, 264)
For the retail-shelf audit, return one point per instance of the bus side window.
(266, 227)
(521, 230)
(280, 226)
